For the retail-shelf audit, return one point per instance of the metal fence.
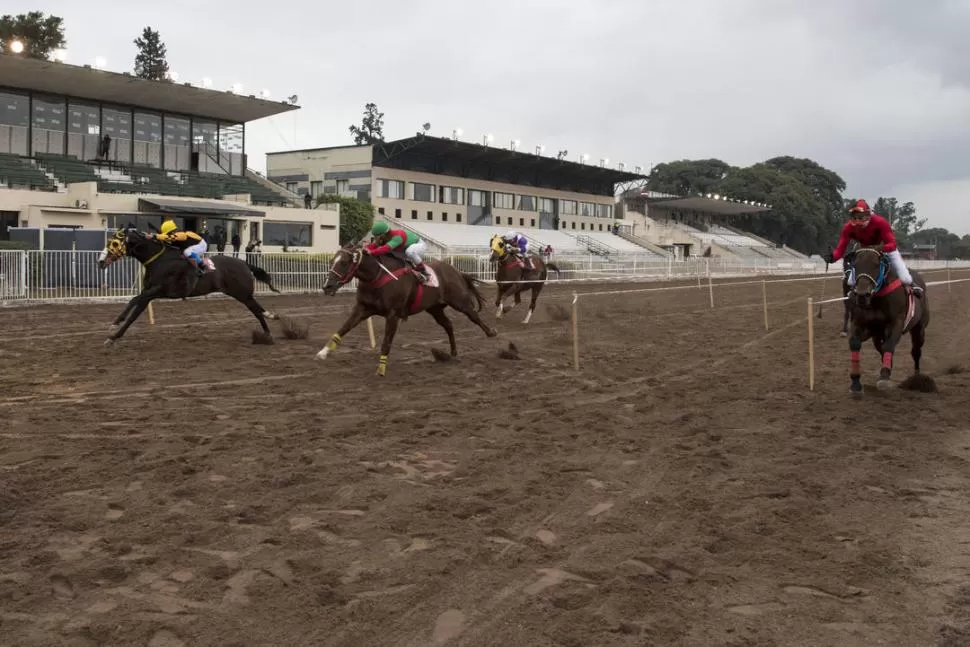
(60, 276)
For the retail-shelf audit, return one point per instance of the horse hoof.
(109, 342)
(322, 355)
(884, 385)
(844, 334)
(492, 333)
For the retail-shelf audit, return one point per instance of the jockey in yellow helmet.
(193, 246)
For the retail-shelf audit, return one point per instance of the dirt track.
(189, 488)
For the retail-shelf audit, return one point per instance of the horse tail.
(471, 282)
(262, 276)
(552, 266)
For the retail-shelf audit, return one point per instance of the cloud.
(877, 90)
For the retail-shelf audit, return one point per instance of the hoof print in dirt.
(511, 353)
(442, 356)
(259, 337)
(294, 329)
(921, 383)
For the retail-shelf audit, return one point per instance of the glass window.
(204, 133)
(587, 209)
(452, 195)
(231, 137)
(49, 123)
(116, 124)
(148, 139)
(422, 192)
(14, 122)
(503, 201)
(476, 198)
(547, 205)
(83, 130)
(291, 234)
(178, 153)
(568, 207)
(526, 203)
(604, 211)
(392, 189)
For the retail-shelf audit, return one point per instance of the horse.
(846, 304)
(169, 275)
(883, 310)
(512, 278)
(388, 286)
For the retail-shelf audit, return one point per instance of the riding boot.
(917, 291)
(422, 273)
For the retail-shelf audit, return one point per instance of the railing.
(596, 247)
(66, 276)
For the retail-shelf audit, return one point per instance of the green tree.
(150, 60)
(371, 129)
(356, 217)
(688, 177)
(40, 34)
(902, 217)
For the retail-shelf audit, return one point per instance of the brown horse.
(884, 310)
(387, 286)
(512, 277)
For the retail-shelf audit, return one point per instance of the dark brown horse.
(512, 277)
(169, 275)
(388, 287)
(884, 310)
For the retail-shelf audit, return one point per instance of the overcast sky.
(877, 90)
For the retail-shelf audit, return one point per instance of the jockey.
(193, 246)
(519, 245)
(387, 240)
(868, 228)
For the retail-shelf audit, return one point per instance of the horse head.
(350, 261)
(497, 245)
(872, 272)
(127, 241)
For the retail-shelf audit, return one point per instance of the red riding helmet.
(860, 210)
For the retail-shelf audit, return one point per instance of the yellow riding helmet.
(168, 227)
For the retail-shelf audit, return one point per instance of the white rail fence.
(68, 276)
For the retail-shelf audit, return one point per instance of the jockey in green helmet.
(386, 240)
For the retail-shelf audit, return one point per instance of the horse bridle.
(875, 280)
(355, 258)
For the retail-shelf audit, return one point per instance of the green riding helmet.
(380, 228)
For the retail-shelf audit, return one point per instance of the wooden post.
(949, 286)
(575, 331)
(370, 331)
(811, 348)
(764, 300)
(710, 284)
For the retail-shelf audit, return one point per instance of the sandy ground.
(189, 488)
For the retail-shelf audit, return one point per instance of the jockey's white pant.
(414, 252)
(197, 250)
(899, 266)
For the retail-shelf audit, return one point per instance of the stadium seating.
(18, 172)
(128, 178)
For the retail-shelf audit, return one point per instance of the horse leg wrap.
(887, 361)
(382, 365)
(854, 368)
(334, 341)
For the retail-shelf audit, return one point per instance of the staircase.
(295, 199)
(596, 247)
(644, 243)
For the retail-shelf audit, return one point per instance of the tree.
(688, 177)
(902, 217)
(356, 217)
(40, 34)
(371, 129)
(150, 61)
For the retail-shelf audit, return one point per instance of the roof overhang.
(708, 205)
(85, 82)
(197, 207)
(452, 157)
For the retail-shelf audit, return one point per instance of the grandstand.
(96, 142)
(699, 225)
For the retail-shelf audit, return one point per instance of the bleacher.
(19, 173)
(736, 242)
(16, 171)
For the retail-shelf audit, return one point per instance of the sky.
(876, 90)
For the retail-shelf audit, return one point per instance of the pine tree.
(41, 34)
(371, 129)
(150, 61)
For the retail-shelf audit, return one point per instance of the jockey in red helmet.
(869, 228)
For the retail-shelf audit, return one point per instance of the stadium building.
(84, 150)
(457, 194)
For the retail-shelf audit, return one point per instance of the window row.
(71, 127)
(420, 192)
(499, 220)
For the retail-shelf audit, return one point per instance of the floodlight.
(173, 76)
(237, 88)
(60, 55)
(709, 195)
(206, 82)
(604, 161)
(16, 46)
(583, 158)
(716, 196)
(456, 133)
(100, 62)
(516, 143)
(264, 93)
(487, 139)
(540, 149)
